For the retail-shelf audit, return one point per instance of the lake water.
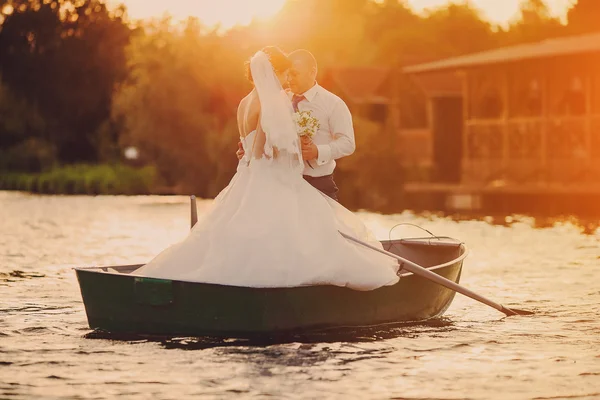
(474, 352)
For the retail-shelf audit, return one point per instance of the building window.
(567, 94)
(485, 96)
(525, 95)
(377, 112)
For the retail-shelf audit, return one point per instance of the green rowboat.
(117, 301)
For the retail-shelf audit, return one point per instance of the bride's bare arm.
(260, 139)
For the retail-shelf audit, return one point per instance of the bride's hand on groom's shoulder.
(240, 152)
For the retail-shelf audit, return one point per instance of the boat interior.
(429, 252)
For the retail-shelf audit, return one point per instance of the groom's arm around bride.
(335, 137)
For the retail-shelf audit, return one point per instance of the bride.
(269, 227)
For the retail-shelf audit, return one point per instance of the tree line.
(80, 81)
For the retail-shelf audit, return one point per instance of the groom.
(335, 137)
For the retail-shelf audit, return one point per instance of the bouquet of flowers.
(306, 124)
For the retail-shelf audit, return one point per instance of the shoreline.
(83, 179)
(588, 223)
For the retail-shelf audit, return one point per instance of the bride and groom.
(277, 223)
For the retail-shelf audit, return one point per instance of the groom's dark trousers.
(325, 184)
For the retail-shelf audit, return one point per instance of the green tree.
(584, 16)
(402, 37)
(535, 23)
(18, 119)
(65, 58)
(397, 32)
(175, 107)
(23, 146)
(458, 29)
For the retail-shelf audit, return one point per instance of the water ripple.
(46, 349)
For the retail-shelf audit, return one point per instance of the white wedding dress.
(271, 228)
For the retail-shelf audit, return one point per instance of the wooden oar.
(418, 270)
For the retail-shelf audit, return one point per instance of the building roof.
(445, 83)
(360, 84)
(581, 44)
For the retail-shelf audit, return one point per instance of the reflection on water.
(353, 335)
(548, 265)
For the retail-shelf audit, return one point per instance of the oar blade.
(427, 274)
(515, 311)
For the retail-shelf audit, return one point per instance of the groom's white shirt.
(335, 137)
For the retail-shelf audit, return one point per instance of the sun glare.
(496, 11)
(226, 13)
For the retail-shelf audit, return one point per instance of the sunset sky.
(231, 12)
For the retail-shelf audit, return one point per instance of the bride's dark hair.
(277, 57)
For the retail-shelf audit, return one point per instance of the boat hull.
(120, 302)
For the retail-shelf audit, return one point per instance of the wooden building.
(530, 115)
(411, 114)
(368, 91)
(428, 138)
